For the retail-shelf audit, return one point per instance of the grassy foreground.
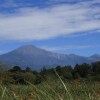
(52, 90)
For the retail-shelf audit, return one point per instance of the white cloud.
(50, 22)
(69, 47)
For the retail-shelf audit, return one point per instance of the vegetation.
(60, 83)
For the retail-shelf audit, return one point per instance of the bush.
(5, 78)
(21, 78)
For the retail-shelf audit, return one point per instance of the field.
(52, 90)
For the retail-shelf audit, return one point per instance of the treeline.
(16, 75)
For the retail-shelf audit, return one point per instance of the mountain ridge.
(36, 58)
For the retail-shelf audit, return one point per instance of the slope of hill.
(36, 58)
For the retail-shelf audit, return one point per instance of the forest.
(16, 75)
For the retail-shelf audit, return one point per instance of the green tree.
(67, 72)
(16, 69)
(84, 69)
(28, 69)
(96, 67)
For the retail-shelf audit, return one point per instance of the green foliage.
(28, 69)
(5, 78)
(65, 72)
(66, 83)
(83, 69)
(96, 67)
(16, 69)
(38, 79)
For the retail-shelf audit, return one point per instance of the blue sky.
(62, 26)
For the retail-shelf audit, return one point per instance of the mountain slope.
(95, 57)
(36, 58)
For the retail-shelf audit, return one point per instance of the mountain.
(37, 58)
(95, 57)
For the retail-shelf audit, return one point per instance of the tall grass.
(52, 90)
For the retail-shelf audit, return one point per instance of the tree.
(16, 69)
(96, 67)
(67, 72)
(83, 69)
(43, 71)
(28, 69)
(58, 69)
(23, 78)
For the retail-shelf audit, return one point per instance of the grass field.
(52, 90)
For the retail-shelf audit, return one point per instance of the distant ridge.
(37, 58)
